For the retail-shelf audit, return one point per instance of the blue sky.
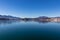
(30, 8)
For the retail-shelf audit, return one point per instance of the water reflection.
(14, 21)
(7, 21)
(28, 31)
(40, 21)
(37, 21)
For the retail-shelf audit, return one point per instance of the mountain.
(8, 17)
(43, 17)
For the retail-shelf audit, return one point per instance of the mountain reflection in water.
(14, 21)
(7, 21)
(29, 30)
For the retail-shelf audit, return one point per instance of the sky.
(30, 8)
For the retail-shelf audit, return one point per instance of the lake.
(29, 30)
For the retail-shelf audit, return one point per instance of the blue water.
(20, 30)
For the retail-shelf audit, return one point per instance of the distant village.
(41, 18)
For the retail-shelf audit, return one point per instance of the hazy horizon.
(30, 8)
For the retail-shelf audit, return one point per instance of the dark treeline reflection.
(36, 21)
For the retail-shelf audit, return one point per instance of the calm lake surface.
(20, 30)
